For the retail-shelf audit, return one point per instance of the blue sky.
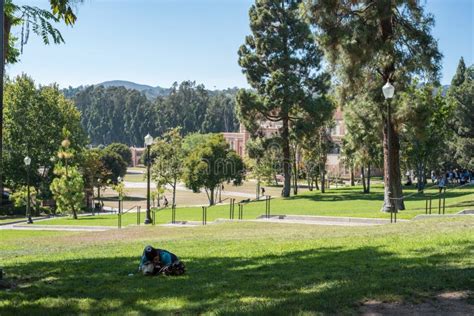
(157, 42)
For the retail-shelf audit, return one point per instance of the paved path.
(57, 228)
(181, 187)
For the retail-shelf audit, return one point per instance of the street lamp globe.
(119, 179)
(148, 140)
(27, 161)
(388, 90)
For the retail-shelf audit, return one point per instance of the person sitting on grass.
(159, 261)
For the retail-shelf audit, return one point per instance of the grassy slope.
(336, 202)
(238, 268)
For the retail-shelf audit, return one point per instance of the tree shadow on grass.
(352, 195)
(328, 280)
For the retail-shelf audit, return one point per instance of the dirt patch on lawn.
(448, 303)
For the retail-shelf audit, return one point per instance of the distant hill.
(149, 91)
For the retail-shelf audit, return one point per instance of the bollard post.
(204, 215)
(269, 198)
(241, 210)
(266, 206)
(439, 204)
(232, 208)
(444, 203)
(119, 216)
(426, 206)
(154, 217)
(138, 216)
(431, 198)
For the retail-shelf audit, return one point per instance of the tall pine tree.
(283, 64)
(370, 42)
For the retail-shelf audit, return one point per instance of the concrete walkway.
(57, 228)
(181, 187)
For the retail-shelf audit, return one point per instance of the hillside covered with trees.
(117, 114)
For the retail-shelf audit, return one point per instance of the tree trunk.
(323, 180)
(74, 213)
(316, 183)
(174, 192)
(420, 172)
(392, 175)
(310, 183)
(286, 158)
(211, 197)
(295, 176)
(362, 176)
(352, 176)
(368, 177)
(4, 50)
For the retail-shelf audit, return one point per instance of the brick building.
(238, 141)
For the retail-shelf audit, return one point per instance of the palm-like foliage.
(39, 21)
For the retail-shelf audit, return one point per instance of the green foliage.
(369, 43)
(119, 187)
(461, 100)
(121, 149)
(93, 169)
(34, 120)
(193, 141)
(169, 154)
(68, 186)
(211, 164)
(425, 131)
(376, 40)
(117, 114)
(283, 64)
(114, 165)
(39, 21)
(362, 144)
(20, 196)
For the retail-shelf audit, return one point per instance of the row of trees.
(30, 19)
(435, 125)
(37, 121)
(117, 114)
(42, 124)
(366, 44)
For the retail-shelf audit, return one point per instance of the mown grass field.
(347, 201)
(237, 268)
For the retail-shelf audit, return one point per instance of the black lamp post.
(27, 161)
(120, 197)
(148, 143)
(388, 92)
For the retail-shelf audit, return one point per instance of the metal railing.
(120, 213)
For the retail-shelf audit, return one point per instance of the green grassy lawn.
(336, 202)
(237, 268)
